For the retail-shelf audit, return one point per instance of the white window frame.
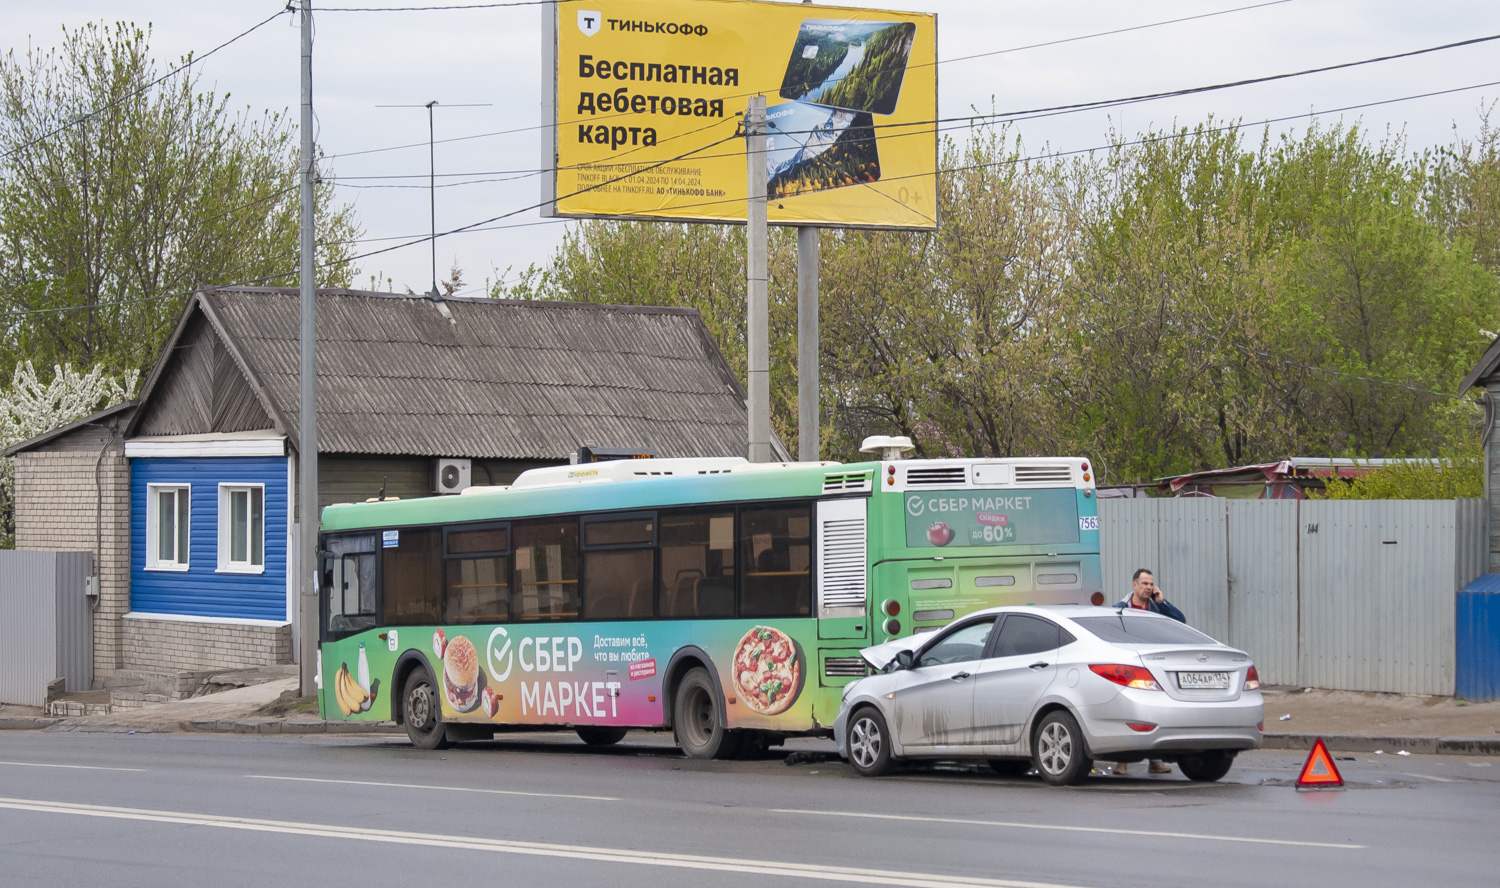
(226, 528)
(153, 528)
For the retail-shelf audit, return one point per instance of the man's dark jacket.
(1163, 607)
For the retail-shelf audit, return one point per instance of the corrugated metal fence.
(1334, 594)
(44, 624)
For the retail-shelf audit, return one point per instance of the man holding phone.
(1146, 595)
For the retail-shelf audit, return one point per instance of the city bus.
(723, 600)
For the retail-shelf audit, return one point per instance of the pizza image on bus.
(767, 670)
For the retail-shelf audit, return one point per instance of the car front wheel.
(870, 743)
(1058, 751)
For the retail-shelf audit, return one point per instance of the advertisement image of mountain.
(815, 148)
(857, 65)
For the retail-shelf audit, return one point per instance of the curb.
(1387, 744)
(202, 726)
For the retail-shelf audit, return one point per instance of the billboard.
(647, 97)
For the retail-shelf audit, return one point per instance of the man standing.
(1146, 595)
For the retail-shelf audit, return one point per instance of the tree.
(118, 198)
(30, 407)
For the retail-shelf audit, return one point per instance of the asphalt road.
(542, 810)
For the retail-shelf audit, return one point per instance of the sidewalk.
(1348, 721)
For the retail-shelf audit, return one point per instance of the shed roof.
(1488, 363)
(483, 378)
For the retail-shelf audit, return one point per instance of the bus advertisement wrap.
(648, 95)
(978, 518)
(607, 674)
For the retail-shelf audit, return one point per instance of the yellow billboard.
(648, 97)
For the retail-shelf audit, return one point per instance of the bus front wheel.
(423, 717)
(696, 724)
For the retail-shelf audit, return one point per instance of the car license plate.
(1203, 680)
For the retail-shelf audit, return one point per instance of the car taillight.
(1128, 676)
(1252, 680)
(1141, 727)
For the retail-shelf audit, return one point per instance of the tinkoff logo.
(589, 21)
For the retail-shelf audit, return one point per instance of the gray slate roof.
(501, 379)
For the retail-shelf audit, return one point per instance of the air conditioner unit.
(452, 475)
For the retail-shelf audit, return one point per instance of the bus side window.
(412, 574)
(697, 564)
(776, 545)
(546, 570)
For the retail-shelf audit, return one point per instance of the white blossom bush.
(29, 407)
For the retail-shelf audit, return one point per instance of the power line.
(436, 8)
(745, 95)
(192, 60)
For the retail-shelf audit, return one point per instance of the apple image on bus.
(939, 533)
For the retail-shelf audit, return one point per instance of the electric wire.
(192, 60)
(938, 62)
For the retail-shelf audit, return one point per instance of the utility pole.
(757, 290)
(808, 429)
(307, 426)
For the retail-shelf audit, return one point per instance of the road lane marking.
(70, 767)
(539, 795)
(1086, 829)
(1430, 777)
(827, 873)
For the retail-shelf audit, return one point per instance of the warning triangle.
(1319, 772)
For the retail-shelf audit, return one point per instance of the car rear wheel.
(420, 711)
(1207, 766)
(1058, 751)
(870, 743)
(601, 736)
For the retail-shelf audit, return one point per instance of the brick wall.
(59, 508)
(175, 645)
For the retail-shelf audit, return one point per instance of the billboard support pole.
(758, 351)
(808, 445)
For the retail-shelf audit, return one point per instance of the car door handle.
(1039, 665)
(958, 676)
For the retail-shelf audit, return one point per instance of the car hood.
(882, 655)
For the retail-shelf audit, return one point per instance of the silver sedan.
(1054, 688)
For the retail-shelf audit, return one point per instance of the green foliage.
(1181, 301)
(117, 200)
(1420, 480)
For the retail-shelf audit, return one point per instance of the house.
(187, 495)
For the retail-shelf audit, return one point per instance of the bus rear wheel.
(423, 717)
(696, 724)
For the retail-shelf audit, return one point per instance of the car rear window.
(1142, 630)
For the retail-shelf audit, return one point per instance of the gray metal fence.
(45, 630)
(1335, 594)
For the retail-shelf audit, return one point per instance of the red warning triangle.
(1320, 772)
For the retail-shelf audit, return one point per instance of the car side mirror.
(904, 659)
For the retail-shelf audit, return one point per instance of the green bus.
(724, 600)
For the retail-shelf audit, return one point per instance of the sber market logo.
(589, 21)
(915, 506)
(498, 651)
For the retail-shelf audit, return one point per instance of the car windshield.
(1142, 630)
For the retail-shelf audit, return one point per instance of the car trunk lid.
(1195, 673)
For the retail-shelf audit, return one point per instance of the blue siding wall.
(201, 590)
